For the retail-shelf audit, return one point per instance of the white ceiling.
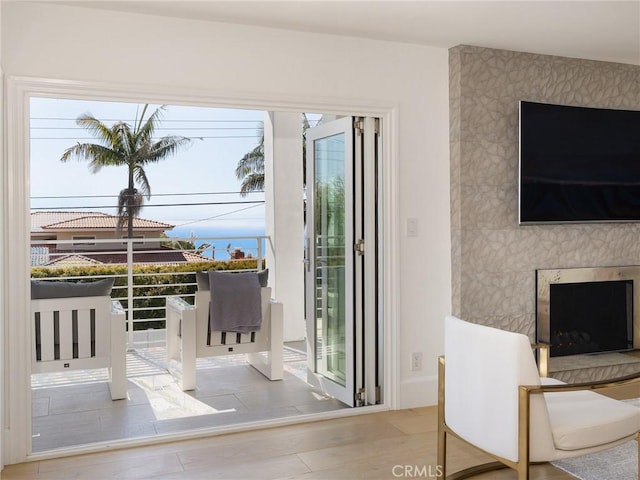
(601, 30)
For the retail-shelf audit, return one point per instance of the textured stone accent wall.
(493, 258)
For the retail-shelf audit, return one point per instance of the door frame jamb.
(14, 228)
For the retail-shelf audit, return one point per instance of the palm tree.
(131, 147)
(250, 169)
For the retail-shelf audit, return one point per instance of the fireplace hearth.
(588, 310)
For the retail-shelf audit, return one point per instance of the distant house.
(77, 230)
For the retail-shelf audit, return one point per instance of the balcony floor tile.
(75, 408)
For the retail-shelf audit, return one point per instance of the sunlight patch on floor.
(168, 401)
(73, 377)
(153, 361)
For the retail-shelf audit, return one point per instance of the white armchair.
(79, 333)
(492, 397)
(189, 336)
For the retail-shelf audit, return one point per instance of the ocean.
(224, 241)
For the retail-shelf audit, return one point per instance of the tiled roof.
(195, 257)
(167, 255)
(54, 221)
(40, 219)
(73, 261)
(170, 256)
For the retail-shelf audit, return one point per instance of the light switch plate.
(412, 227)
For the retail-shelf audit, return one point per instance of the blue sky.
(207, 166)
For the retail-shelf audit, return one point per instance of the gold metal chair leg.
(477, 470)
(442, 433)
(442, 451)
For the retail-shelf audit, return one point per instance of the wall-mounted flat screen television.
(578, 164)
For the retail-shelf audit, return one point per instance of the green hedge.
(149, 286)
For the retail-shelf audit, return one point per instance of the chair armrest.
(179, 304)
(181, 319)
(542, 355)
(117, 308)
(596, 385)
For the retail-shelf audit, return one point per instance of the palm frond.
(145, 132)
(252, 183)
(250, 168)
(141, 118)
(122, 203)
(252, 162)
(95, 127)
(163, 148)
(99, 155)
(130, 202)
(121, 140)
(141, 179)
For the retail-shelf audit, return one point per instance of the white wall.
(71, 43)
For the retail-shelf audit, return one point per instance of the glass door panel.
(330, 255)
(329, 258)
(343, 334)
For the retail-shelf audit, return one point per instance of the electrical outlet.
(416, 361)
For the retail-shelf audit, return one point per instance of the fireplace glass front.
(588, 310)
(591, 317)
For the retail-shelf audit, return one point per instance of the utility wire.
(216, 216)
(159, 128)
(65, 207)
(92, 138)
(155, 195)
(162, 120)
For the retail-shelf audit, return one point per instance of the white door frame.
(15, 332)
(2, 268)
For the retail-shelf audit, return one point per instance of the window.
(135, 236)
(82, 240)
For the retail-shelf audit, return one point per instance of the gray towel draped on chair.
(236, 304)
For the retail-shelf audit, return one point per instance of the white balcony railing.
(146, 272)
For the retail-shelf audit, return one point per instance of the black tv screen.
(578, 164)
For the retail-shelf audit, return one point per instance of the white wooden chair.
(189, 336)
(492, 397)
(80, 333)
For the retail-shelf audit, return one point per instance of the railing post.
(130, 293)
(100, 246)
(260, 253)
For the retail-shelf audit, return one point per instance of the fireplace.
(588, 310)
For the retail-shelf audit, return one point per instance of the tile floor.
(74, 408)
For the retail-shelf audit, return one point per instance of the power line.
(92, 138)
(159, 128)
(216, 216)
(65, 207)
(155, 195)
(162, 120)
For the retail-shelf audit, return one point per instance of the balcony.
(74, 408)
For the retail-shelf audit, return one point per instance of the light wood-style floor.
(372, 446)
